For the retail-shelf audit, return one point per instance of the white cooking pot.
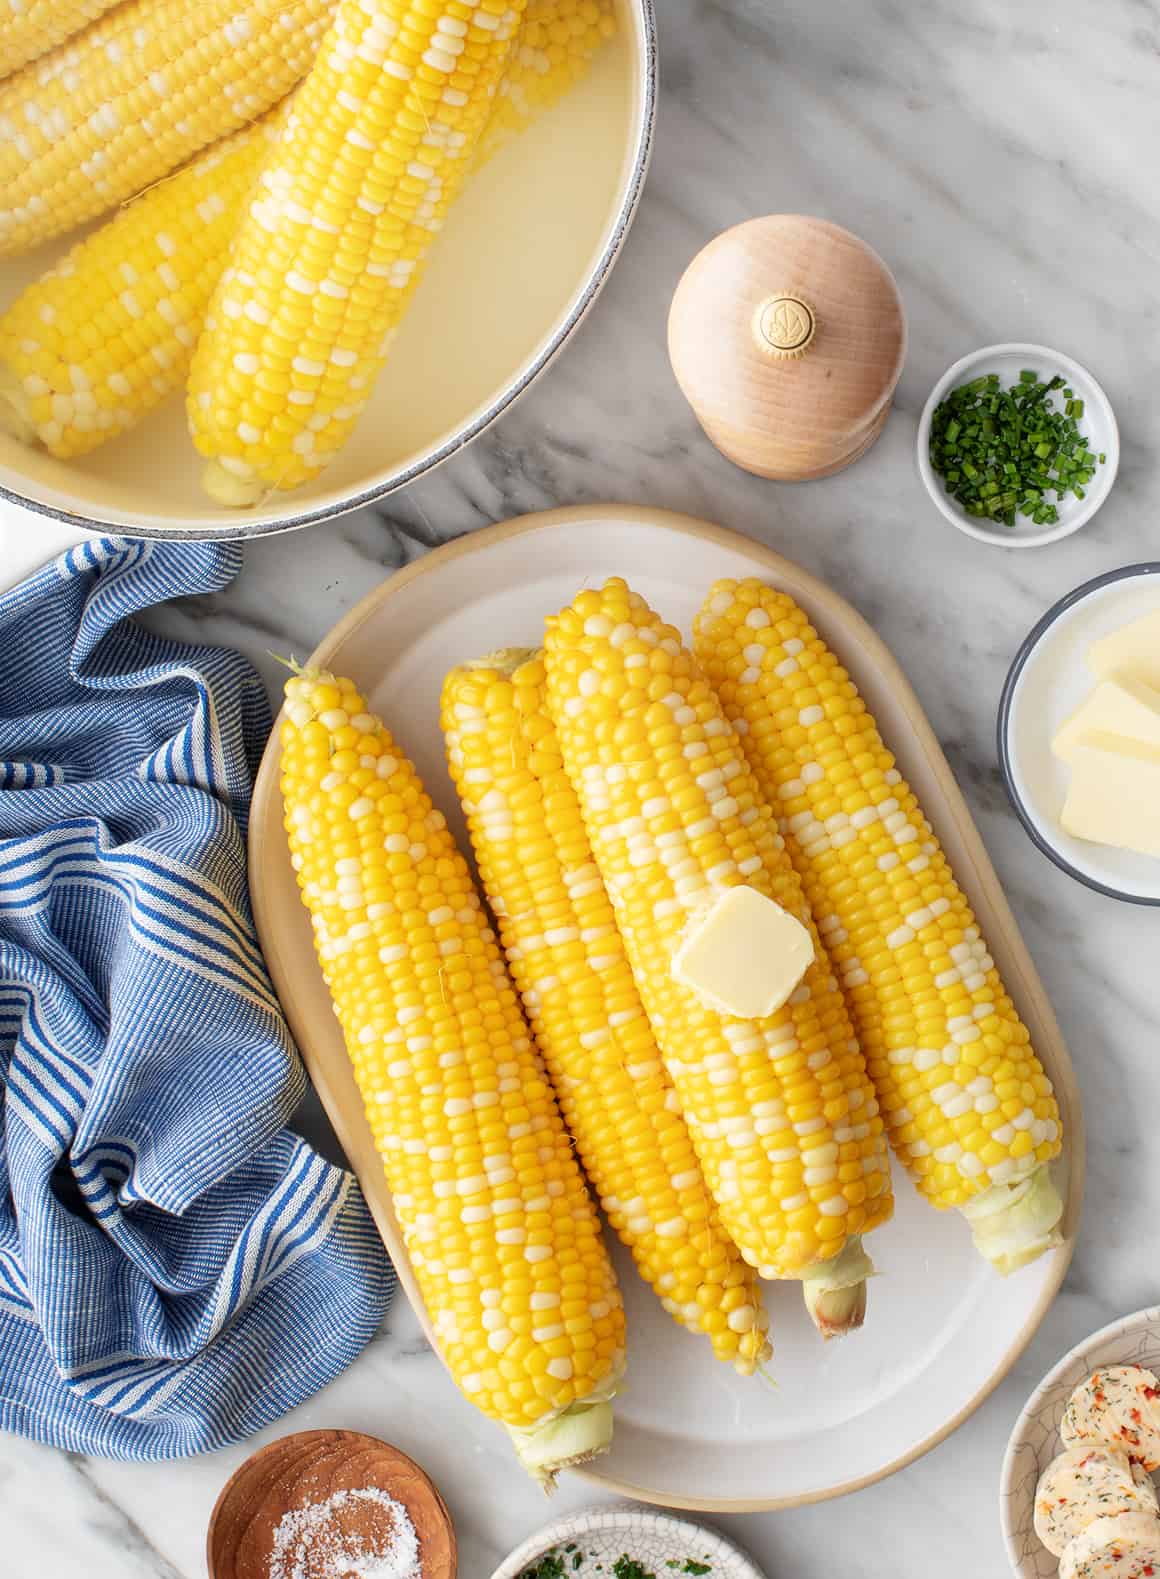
(524, 255)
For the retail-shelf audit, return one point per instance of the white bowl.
(1035, 1441)
(654, 1539)
(525, 252)
(1098, 426)
(1046, 683)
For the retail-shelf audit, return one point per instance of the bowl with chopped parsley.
(1018, 445)
(627, 1542)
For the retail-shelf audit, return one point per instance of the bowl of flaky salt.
(330, 1505)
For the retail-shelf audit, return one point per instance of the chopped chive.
(1001, 452)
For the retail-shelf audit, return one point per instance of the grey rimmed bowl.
(1047, 681)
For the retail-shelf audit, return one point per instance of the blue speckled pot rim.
(641, 153)
(1003, 729)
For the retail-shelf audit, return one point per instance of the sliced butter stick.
(1123, 707)
(743, 954)
(1114, 794)
(1086, 1483)
(1122, 1546)
(1133, 650)
(1118, 1404)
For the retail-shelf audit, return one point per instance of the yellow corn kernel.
(943, 1041)
(145, 278)
(381, 136)
(134, 96)
(568, 961)
(673, 816)
(30, 28)
(493, 1208)
(558, 41)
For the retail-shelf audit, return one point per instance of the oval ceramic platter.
(942, 1328)
(1035, 1441)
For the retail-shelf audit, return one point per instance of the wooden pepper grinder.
(787, 337)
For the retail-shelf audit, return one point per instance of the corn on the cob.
(381, 135)
(30, 28)
(556, 46)
(499, 1226)
(568, 961)
(969, 1108)
(101, 339)
(91, 318)
(781, 1110)
(134, 96)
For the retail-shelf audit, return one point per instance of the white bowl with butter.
(1098, 774)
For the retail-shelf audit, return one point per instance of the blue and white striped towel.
(176, 1269)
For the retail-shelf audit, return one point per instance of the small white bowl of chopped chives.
(1018, 445)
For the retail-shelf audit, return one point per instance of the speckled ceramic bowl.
(1035, 1441)
(603, 1535)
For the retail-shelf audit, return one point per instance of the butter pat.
(1114, 796)
(1133, 652)
(743, 955)
(1123, 707)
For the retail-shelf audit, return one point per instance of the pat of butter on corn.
(743, 955)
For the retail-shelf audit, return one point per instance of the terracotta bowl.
(307, 1468)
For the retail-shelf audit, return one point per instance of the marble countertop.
(999, 157)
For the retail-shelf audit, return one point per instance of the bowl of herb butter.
(1018, 445)
(626, 1542)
